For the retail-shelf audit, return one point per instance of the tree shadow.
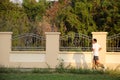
(118, 67)
(80, 60)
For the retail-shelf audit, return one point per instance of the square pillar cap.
(99, 33)
(52, 33)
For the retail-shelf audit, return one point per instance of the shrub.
(9, 70)
(41, 70)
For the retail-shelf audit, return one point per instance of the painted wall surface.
(27, 58)
(52, 55)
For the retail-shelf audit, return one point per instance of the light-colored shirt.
(96, 48)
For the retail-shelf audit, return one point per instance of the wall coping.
(28, 52)
(65, 52)
(99, 33)
(1, 33)
(112, 53)
(52, 33)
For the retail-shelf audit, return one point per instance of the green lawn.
(55, 76)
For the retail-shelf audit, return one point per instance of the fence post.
(52, 48)
(5, 48)
(101, 39)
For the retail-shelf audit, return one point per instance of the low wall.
(113, 60)
(52, 55)
(27, 59)
(33, 59)
(77, 59)
(27, 56)
(37, 59)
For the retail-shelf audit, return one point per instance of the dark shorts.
(95, 58)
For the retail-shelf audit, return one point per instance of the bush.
(42, 70)
(9, 70)
(61, 69)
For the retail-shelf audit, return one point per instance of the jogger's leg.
(99, 64)
(94, 65)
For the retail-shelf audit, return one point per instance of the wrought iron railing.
(113, 43)
(28, 42)
(76, 42)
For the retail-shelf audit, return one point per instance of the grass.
(57, 74)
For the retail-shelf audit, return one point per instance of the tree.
(67, 16)
(35, 11)
(76, 16)
(12, 18)
(106, 16)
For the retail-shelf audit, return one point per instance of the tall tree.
(35, 11)
(12, 18)
(107, 16)
(76, 16)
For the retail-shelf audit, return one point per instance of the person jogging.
(96, 48)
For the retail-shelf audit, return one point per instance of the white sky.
(16, 1)
(20, 1)
(51, 0)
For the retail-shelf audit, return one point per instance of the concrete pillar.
(52, 48)
(101, 39)
(5, 48)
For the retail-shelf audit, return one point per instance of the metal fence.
(76, 42)
(113, 43)
(28, 42)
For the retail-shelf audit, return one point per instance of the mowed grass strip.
(55, 76)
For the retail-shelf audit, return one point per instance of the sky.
(17, 1)
(20, 1)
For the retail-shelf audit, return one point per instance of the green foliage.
(107, 16)
(61, 66)
(55, 76)
(9, 70)
(33, 9)
(12, 18)
(115, 73)
(78, 16)
(12, 72)
(35, 12)
(44, 70)
(85, 16)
